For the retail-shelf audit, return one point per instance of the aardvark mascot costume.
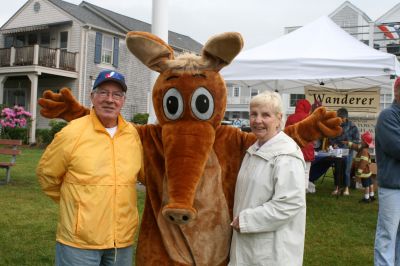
(191, 161)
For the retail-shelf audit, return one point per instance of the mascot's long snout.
(186, 148)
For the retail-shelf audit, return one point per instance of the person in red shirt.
(303, 109)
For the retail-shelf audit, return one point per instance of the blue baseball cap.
(110, 75)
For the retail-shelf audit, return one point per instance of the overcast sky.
(259, 21)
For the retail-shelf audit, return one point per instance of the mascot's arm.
(61, 105)
(320, 123)
(238, 140)
(153, 151)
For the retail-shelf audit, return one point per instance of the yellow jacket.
(93, 177)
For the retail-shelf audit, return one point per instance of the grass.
(340, 231)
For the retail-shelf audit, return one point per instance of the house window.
(294, 98)
(64, 40)
(32, 39)
(45, 39)
(107, 49)
(8, 41)
(15, 97)
(236, 91)
(20, 41)
(386, 100)
(254, 92)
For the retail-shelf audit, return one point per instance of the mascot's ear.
(149, 49)
(221, 49)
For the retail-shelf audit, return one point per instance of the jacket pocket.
(256, 249)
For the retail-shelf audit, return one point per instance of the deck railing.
(67, 60)
(23, 56)
(47, 57)
(37, 55)
(5, 55)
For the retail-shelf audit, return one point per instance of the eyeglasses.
(116, 95)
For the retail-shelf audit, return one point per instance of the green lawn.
(339, 231)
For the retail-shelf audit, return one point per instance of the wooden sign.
(364, 100)
(364, 124)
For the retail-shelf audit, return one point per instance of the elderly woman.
(270, 206)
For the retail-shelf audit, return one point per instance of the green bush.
(55, 126)
(43, 136)
(15, 133)
(140, 118)
(46, 135)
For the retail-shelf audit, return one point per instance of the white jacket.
(271, 205)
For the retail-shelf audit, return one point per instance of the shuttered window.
(116, 52)
(97, 48)
(106, 49)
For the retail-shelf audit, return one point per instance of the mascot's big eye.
(173, 104)
(202, 103)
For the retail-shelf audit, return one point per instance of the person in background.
(237, 123)
(90, 169)
(303, 108)
(270, 204)
(387, 141)
(350, 133)
(361, 164)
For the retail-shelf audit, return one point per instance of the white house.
(50, 44)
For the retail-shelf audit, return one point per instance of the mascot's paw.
(61, 105)
(328, 123)
(320, 123)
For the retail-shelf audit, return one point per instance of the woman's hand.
(235, 224)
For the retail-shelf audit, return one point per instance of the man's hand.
(61, 105)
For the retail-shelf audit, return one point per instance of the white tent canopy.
(318, 52)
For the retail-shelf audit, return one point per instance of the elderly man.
(387, 138)
(90, 169)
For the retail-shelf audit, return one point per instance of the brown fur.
(191, 164)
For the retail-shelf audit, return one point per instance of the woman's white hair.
(268, 98)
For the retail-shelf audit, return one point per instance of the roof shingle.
(91, 14)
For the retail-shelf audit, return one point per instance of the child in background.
(361, 165)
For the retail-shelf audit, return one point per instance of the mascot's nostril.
(179, 215)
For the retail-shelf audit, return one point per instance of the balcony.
(38, 56)
(239, 100)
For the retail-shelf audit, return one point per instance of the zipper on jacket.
(115, 189)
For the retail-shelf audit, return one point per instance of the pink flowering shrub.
(14, 123)
(14, 117)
